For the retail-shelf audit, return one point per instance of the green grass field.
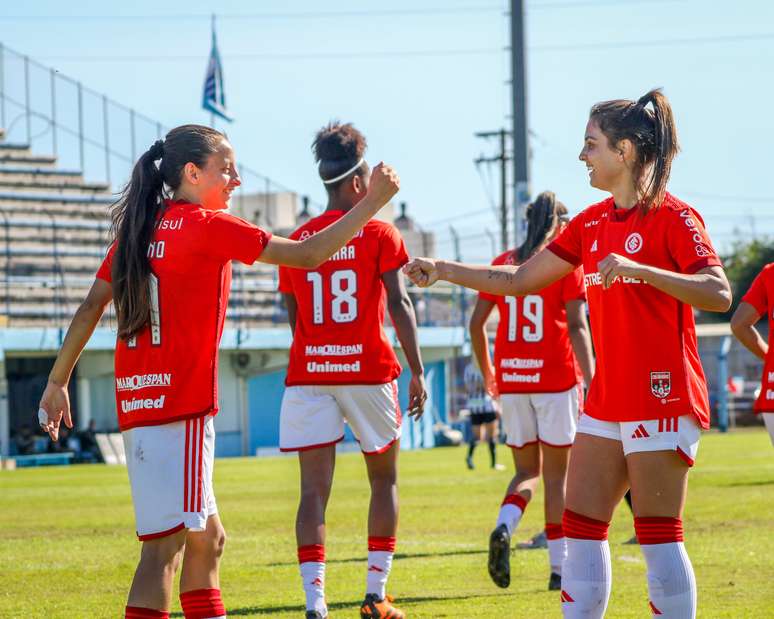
(67, 547)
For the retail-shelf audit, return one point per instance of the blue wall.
(264, 393)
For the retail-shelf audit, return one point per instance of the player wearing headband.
(343, 369)
(648, 262)
(168, 273)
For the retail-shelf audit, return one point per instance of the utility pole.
(521, 189)
(503, 159)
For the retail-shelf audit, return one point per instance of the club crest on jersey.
(633, 243)
(661, 384)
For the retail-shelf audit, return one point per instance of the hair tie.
(157, 150)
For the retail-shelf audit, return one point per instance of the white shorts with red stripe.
(313, 416)
(170, 472)
(680, 434)
(549, 418)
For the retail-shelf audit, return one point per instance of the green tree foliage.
(743, 265)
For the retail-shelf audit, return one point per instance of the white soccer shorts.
(170, 472)
(548, 418)
(313, 416)
(768, 419)
(680, 434)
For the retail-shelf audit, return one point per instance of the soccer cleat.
(315, 614)
(500, 556)
(555, 582)
(469, 462)
(374, 608)
(538, 541)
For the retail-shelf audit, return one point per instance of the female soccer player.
(758, 302)
(648, 262)
(343, 369)
(536, 377)
(169, 273)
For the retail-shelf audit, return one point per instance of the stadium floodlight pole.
(521, 189)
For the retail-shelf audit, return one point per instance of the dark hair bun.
(337, 142)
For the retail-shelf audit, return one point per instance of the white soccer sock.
(557, 552)
(671, 583)
(557, 546)
(313, 577)
(511, 511)
(380, 553)
(586, 579)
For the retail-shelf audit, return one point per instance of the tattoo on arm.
(501, 275)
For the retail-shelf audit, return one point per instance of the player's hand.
(423, 272)
(384, 183)
(490, 386)
(54, 407)
(614, 266)
(417, 396)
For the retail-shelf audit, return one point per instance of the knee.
(164, 554)
(528, 471)
(384, 481)
(210, 543)
(315, 492)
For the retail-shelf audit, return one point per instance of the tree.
(743, 264)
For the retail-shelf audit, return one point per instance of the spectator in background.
(25, 440)
(88, 438)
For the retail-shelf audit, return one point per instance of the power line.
(731, 38)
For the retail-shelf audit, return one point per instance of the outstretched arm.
(743, 325)
(542, 269)
(56, 401)
(313, 251)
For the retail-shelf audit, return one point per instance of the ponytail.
(542, 219)
(134, 218)
(652, 132)
(137, 210)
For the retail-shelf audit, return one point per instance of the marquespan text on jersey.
(515, 363)
(334, 350)
(141, 381)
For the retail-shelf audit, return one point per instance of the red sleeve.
(231, 238)
(285, 285)
(756, 295)
(568, 245)
(104, 270)
(689, 244)
(392, 250)
(573, 287)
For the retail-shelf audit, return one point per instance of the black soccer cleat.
(555, 582)
(500, 556)
(315, 614)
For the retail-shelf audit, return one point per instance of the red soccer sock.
(202, 604)
(136, 612)
(380, 553)
(577, 526)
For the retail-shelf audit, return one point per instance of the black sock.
(472, 446)
(492, 453)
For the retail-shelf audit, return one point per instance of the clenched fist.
(422, 271)
(384, 183)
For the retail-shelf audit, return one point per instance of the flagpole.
(212, 114)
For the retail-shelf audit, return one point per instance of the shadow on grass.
(742, 484)
(398, 555)
(268, 610)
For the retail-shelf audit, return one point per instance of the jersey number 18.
(343, 287)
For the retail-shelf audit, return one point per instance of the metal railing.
(85, 130)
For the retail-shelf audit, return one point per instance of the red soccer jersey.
(533, 352)
(648, 363)
(338, 337)
(761, 297)
(169, 370)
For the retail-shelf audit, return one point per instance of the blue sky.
(420, 77)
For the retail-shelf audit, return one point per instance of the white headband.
(347, 173)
